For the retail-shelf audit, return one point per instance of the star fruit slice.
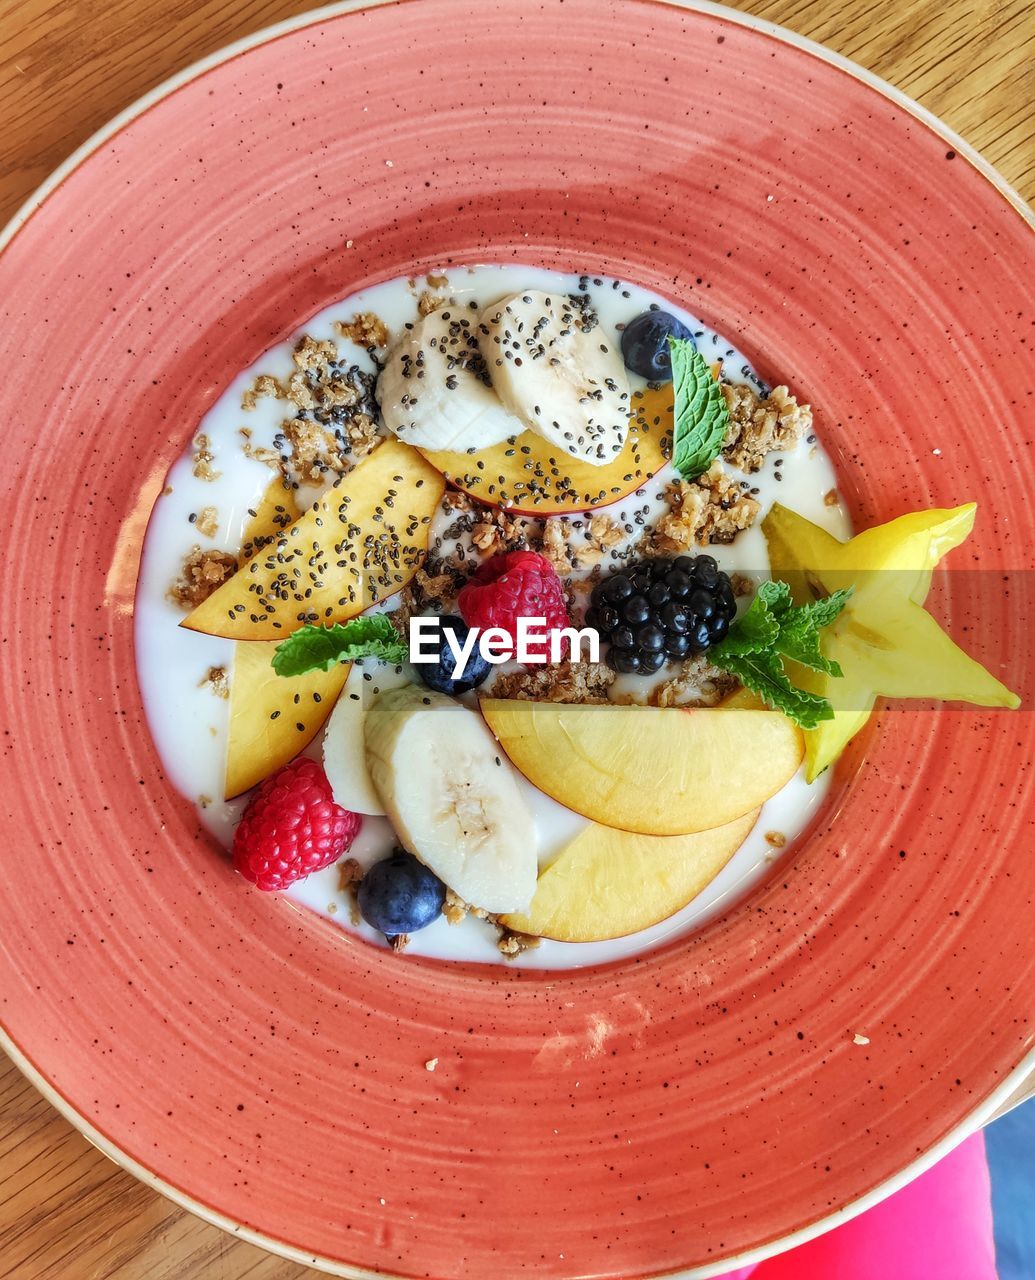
(884, 640)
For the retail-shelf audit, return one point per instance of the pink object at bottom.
(939, 1225)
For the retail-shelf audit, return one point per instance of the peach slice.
(608, 883)
(360, 543)
(661, 771)
(527, 475)
(268, 727)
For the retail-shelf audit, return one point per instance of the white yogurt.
(190, 723)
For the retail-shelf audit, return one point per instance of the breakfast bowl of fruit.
(518, 679)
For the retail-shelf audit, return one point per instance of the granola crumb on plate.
(201, 574)
(758, 426)
(217, 679)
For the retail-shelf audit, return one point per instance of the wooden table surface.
(67, 66)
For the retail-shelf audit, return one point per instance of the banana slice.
(434, 391)
(451, 797)
(344, 750)
(567, 384)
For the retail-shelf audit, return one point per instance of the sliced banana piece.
(451, 797)
(434, 390)
(344, 748)
(567, 383)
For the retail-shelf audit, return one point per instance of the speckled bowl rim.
(981, 1114)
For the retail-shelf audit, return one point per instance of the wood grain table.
(66, 67)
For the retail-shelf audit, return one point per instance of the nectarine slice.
(528, 475)
(608, 883)
(360, 543)
(662, 771)
(268, 727)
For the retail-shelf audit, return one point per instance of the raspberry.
(292, 827)
(518, 584)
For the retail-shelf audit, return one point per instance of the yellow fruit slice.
(885, 642)
(532, 476)
(268, 727)
(743, 699)
(608, 883)
(656, 770)
(361, 542)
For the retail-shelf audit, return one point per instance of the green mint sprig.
(313, 648)
(701, 418)
(772, 629)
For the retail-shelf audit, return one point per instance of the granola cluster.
(202, 573)
(714, 508)
(509, 942)
(217, 681)
(203, 459)
(557, 682)
(698, 684)
(758, 426)
(365, 330)
(334, 413)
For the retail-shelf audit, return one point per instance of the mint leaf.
(313, 648)
(763, 674)
(825, 610)
(800, 628)
(755, 631)
(701, 418)
(772, 628)
(777, 595)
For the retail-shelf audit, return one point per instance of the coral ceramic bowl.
(709, 1099)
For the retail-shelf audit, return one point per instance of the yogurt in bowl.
(483, 418)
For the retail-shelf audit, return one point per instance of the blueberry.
(623, 638)
(437, 674)
(659, 594)
(400, 895)
(641, 581)
(645, 344)
(652, 660)
(677, 646)
(608, 618)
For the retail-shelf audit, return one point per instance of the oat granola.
(365, 330)
(711, 509)
(758, 426)
(573, 682)
(202, 573)
(207, 522)
(216, 679)
(203, 459)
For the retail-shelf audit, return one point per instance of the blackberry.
(660, 611)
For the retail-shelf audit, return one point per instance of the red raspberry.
(518, 584)
(292, 827)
